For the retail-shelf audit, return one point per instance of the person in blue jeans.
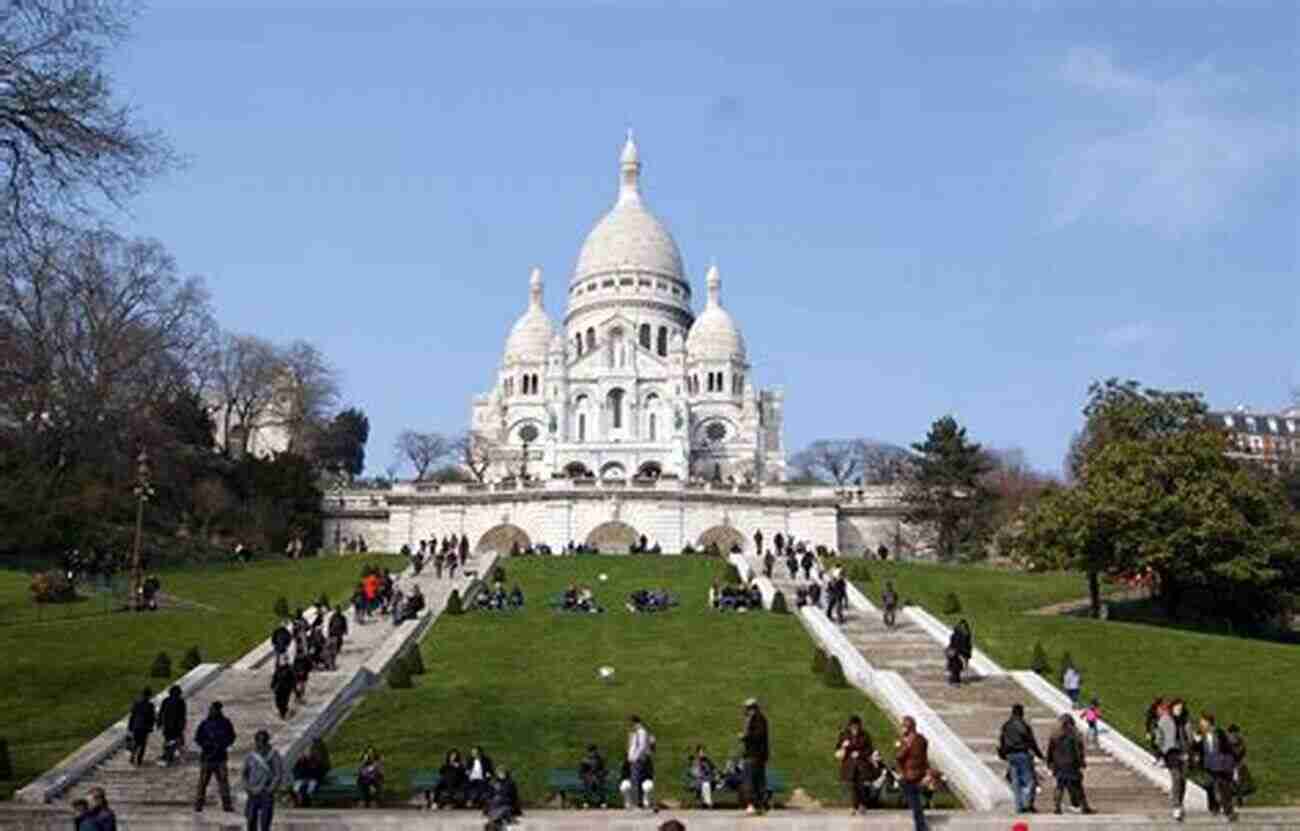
(1018, 746)
(913, 764)
(263, 773)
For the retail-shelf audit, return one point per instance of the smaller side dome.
(714, 336)
(533, 332)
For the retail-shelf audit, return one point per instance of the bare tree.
(423, 450)
(64, 140)
(476, 452)
(311, 390)
(829, 460)
(245, 372)
(883, 463)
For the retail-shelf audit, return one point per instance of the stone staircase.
(976, 710)
(245, 694)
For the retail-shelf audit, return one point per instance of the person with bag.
(1172, 740)
(853, 751)
(1243, 784)
(214, 737)
(1018, 746)
(913, 761)
(171, 717)
(1066, 759)
(263, 772)
(1214, 753)
(140, 725)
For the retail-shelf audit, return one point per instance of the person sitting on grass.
(308, 772)
(479, 772)
(715, 596)
(571, 598)
(702, 776)
(502, 806)
(516, 600)
(370, 777)
(453, 783)
(499, 597)
(593, 773)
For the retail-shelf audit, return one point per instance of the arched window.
(645, 335)
(591, 339)
(582, 426)
(651, 435)
(615, 404)
(578, 339)
(663, 341)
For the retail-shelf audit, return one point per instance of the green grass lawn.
(70, 672)
(1126, 665)
(525, 685)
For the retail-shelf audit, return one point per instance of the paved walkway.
(976, 710)
(245, 693)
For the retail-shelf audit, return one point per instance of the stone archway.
(502, 538)
(725, 536)
(577, 470)
(850, 540)
(613, 537)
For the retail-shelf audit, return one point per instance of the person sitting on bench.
(593, 773)
(479, 772)
(702, 776)
(516, 600)
(370, 777)
(308, 771)
(453, 783)
(502, 806)
(587, 600)
(414, 605)
(499, 597)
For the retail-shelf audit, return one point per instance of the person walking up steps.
(913, 760)
(1067, 760)
(214, 737)
(889, 599)
(171, 718)
(141, 724)
(263, 773)
(1071, 681)
(1018, 746)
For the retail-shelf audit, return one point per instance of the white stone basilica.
(633, 384)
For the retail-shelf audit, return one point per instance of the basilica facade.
(631, 382)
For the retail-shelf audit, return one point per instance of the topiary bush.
(732, 574)
(52, 587)
(1039, 662)
(192, 659)
(323, 600)
(6, 762)
(499, 574)
(835, 673)
(399, 675)
(454, 604)
(281, 607)
(415, 662)
(161, 667)
(819, 662)
(778, 604)
(952, 604)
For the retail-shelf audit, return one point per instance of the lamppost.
(338, 521)
(143, 490)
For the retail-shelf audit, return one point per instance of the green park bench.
(564, 783)
(339, 785)
(425, 781)
(776, 784)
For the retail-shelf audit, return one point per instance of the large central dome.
(629, 253)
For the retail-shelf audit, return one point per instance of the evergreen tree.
(161, 666)
(192, 659)
(779, 605)
(945, 493)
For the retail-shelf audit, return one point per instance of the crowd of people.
(579, 599)
(497, 599)
(729, 598)
(650, 600)
(1214, 756)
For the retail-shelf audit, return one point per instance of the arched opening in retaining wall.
(613, 538)
(851, 541)
(502, 538)
(725, 536)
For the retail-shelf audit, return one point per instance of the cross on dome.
(629, 163)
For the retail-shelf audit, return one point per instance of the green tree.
(946, 492)
(343, 447)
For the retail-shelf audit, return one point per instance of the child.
(1092, 716)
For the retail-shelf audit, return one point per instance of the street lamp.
(338, 521)
(143, 490)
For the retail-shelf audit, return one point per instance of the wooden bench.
(338, 785)
(425, 781)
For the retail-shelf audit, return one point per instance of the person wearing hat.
(214, 737)
(757, 750)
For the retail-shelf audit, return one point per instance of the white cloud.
(1178, 158)
(1132, 335)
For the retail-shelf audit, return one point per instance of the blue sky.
(915, 211)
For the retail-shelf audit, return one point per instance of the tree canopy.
(946, 492)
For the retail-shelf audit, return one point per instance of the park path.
(244, 690)
(976, 710)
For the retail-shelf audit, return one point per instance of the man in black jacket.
(1018, 746)
(171, 717)
(214, 737)
(502, 807)
(141, 724)
(757, 750)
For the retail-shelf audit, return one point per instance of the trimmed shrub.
(1067, 660)
(952, 604)
(415, 661)
(778, 604)
(52, 587)
(454, 604)
(281, 607)
(689, 549)
(399, 675)
(732, 574)
(820, 662)
(192, 659)
(324, 600)
(835, 673)
(161, 667)
(6, 762)
(1039, 662)
(498, 575)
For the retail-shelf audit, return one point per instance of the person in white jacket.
(638, 785)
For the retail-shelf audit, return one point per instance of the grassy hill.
(70, 670)
(525, 685)
(1249, 682)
